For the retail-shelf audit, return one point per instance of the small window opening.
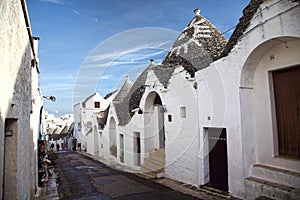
(183, 112)
(97, 104)
(170, 118)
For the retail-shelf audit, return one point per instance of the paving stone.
(78, 177)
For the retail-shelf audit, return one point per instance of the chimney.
(152, 61)
(197, 12)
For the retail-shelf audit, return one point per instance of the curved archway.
(113, 137)
(257, 100)
(154, 131)
(253, 60)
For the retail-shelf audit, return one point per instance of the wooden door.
(287, 103)
(218, 166)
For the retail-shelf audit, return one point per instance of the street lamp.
(51, 98)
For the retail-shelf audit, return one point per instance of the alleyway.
(80, 177)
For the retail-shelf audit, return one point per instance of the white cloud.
(61, 2)
(120, 54)
(94, 19)
(106, 77)
(76, 12)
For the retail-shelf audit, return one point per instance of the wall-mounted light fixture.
(138, 109)
(51, 98)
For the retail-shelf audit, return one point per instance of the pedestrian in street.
(52, 147)
(57, 147)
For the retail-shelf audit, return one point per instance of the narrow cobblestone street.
(81, 177)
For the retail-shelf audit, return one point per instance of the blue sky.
(102, 41)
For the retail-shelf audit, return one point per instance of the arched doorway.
(154, 123)
(112, 137)
(259, 103)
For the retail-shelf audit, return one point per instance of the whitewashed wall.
(87, 114)
(228, 85)
(15, 102)
(78, 123)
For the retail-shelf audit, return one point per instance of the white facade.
(229, 105)
(84, 114)
(20, 103)
(180, 131)
(235, 93)
(77, 122)
(36, 119)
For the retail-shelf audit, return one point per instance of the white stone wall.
(15, 85)
(234, 91)
(103, 135)
(77, 122)
(92, 138)
(35, 125)
(104, 143)
(181, 133)
(264, 121)
(135, 125)
(88, 112)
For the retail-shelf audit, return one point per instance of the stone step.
(278, 175)
(260, 187)
(215, 191)
(153, 165)
(147, 173)
(158, 155)
(160, 151)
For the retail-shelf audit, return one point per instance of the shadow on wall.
(16, 140)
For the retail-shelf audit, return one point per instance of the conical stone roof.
(121, 102)
(199, 44)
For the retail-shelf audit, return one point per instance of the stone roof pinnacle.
(197, 12)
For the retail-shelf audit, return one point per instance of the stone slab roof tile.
(243, 24)
(199, 44)
(121, 102)
(196, 47)
(110, 94)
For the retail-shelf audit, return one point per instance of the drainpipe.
(28, 27)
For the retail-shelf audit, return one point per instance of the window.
(97, 104)
(170, 118)
(183, 112)
(287, 104)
